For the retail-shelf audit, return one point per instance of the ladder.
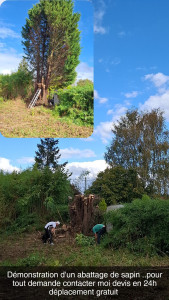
(35, 98)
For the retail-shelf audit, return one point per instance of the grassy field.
(28, 250)
(16, 120)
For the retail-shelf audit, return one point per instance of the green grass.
(28, 250)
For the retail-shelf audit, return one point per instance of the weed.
(83, 240)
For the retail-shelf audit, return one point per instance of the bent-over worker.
(99, 230)
(49, 231)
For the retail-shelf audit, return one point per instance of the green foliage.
(33, 260)
(48, 154)
(25, 222)
(83, 240)
(76, 102)
(32, 195)
(51, 40)
(18, 84)
(141, 226)
(145, 197)
(117, 185)
(102, 205)
(141, 141)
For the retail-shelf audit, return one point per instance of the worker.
(99, 230)
(49, 231)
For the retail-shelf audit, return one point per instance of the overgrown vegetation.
(76, 103)
(83, 240)
(141, 226)
(37, 194)
(17, 84)
(32, 197)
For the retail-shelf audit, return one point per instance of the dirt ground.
(21, 246)
(16, 120)
(17, 247)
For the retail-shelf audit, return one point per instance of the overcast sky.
(131, 69)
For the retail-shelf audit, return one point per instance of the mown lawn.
(16, 120)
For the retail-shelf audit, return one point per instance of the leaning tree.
(51, 40)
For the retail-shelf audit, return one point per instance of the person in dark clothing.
(99, 230)
(49, 231)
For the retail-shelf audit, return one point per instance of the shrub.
(76, 102)
(17, 84)
(141, 226)
(83, 240)
(102, 205)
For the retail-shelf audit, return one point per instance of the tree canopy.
(48, 154)
(141, 141)
(117, 185)
(51, 40)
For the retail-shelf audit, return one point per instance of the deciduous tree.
(141, 141)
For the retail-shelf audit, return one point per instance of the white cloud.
(121, 33)
(101, 99)
(88, 139)
(116, 61)
(9, 62)
(158, 79)
(110, 112)
(120, 111)
(6, 166)
(98, 18)
(104, 131)
(99, 29)
(158, 101)
(133, 94)
(26, 160)
(6, 32)
(2, 45)
(72, 152)
(84, 71)
(161, 98)
(1, 1)
(94, 167)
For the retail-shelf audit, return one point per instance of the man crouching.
(49, 231)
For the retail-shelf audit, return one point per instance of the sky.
(131, 70)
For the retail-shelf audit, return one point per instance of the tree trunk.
(45, 97)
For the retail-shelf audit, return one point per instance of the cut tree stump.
(82, 213)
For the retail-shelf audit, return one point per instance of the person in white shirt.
(49, 231)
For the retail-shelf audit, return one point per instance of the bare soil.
(16, 120)
(21, 246)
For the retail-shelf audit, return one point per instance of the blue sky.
(131, 69)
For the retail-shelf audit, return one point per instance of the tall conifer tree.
(51, 40)
(48, 154)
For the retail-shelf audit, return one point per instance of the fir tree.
(51, 40)
(48, 154)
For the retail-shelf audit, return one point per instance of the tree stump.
(82, 212)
